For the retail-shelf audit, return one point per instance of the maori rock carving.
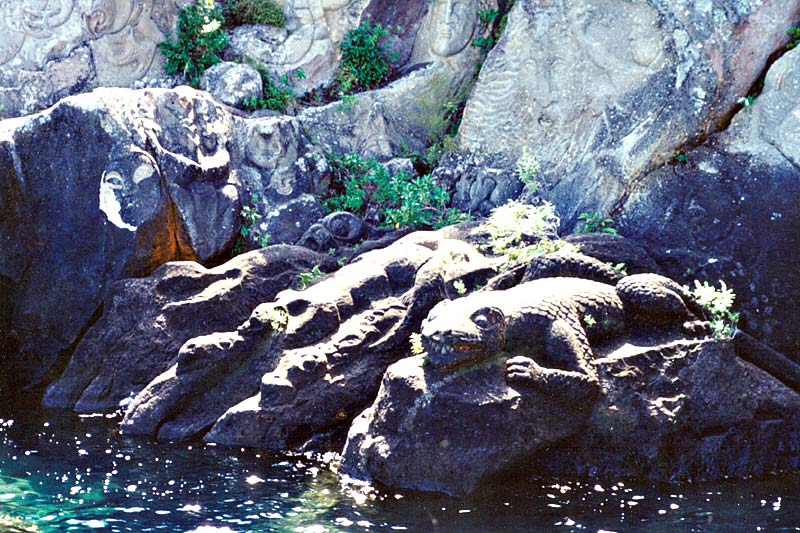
(337, 229)
(126, 34)
(308, 43)
(36, 20)
(448, 30)
(778, 107)
(550, 92)
(548, 324)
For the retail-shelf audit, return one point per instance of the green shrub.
(364, 187)
(238, 12)
(594, 223)
(199, 39)
(277, 96)
(366, 61)
(794, 33)
(527, 169)
(305, 278)
(249, 231)
(718, 304)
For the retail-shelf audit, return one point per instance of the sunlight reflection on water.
(65, 473)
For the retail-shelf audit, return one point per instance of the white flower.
(211, 26)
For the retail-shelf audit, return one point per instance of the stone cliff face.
(677, 119)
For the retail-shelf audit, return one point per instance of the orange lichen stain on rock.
(162, 239)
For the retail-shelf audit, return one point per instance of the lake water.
(66, 473)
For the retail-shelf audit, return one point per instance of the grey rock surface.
(730, 212)
(600, 92)
(232, 83)
(403, 116)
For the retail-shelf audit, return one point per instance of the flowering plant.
(199, 39)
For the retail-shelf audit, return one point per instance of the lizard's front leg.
(566, 385)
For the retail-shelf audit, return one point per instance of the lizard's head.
(456, 332)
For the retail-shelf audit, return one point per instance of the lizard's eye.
(487, 317)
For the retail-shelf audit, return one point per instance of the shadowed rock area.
(678, 410)
(147, 320)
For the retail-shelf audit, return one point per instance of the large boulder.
(145, 321)
(104, 186)
(680, 409)
(54, 49)
(309, 353)
(601, 91)
(320, 388)
(730, 211)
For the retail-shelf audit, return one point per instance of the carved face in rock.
(453, 23)
(458, 332)
(41, 17)
(109, 16)
(129, 190)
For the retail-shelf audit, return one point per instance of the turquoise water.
(66, 473)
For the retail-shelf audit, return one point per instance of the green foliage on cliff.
(366, 59)
(238, 12)
(199, 39)
(366, 188)
(250, 232)
(596, 223)
(275, 95)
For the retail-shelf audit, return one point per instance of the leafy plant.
(199, 39)
(718, 303)
(488, 15)
(305, 278)
(594, 223)
(277, 318)
(459, 286)
(366, 60)
(347, 103)
(747, 102)
(619, 267)
(527, 169)
(238, 12)
(794, 33)
(249, 231)
(681, 158)
(277, 96)
(367, 189)
(519, 232)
